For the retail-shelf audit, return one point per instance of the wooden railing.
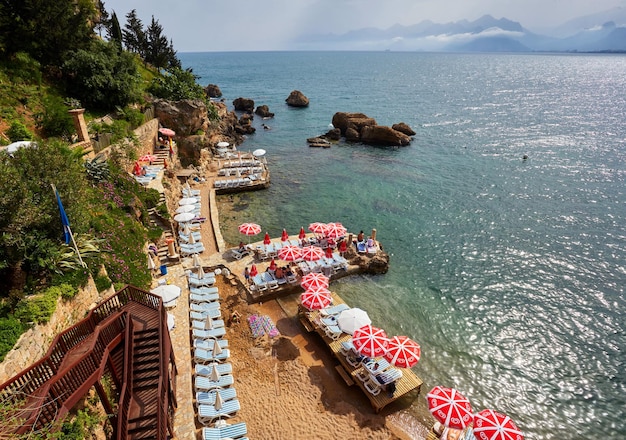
(49, 388)
(127, 386)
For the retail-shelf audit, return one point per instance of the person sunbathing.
(280, 273)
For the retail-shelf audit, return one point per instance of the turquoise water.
(510, 273)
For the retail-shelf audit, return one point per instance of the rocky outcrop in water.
(297, 99)
(213, 91)
(358, 127)
(244, 105)
(264, 111)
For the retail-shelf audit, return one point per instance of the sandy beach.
(287, 385)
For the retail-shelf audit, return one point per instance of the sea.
(504, 219)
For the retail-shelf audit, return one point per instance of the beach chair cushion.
(203, 383)
(202, 356)
(204, 306)
(205, 370)
(212, 297)
(208, 413)
(203, 325)
(208, 397)
(236, 431)
(211, 333)
(212, 313)
(203, 290)
(207, 344)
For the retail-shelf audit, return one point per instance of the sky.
(238, 25)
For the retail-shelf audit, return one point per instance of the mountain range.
(601, 32)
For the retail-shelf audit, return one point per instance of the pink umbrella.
(267, 240)
(302, 233)
(312, 253)
(273, 265)
(284, 236)
(370, 341)
(314, 280)
(450, 407)
(335, 230)
(491, 425)
(253, 271)
(167, 132)
(317, 228)
(403, 352)
(147, 158)
(289, 253)
(315, 299)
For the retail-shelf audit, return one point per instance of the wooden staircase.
(145, 383)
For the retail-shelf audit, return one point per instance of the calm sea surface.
(510, 273)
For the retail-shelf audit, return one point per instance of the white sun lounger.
(208, 397)
(204, 306)
(205, 334)
(205, 370)
(202, 324)
(212, 313)
(208, 413)
(203, 383)
(213, 297)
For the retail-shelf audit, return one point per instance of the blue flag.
(64, 219)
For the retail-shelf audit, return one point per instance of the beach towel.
(261, 325)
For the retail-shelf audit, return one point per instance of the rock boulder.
(297, 99)
(264, 111)
(343, 121)
(213, 91)
(403, 127)
(185, 117)
(383, 135)
(352, 135)
(244, 105)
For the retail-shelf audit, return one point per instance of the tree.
(134, 35)
(177, 84)
(116, 32)
(159, 52)
(45, 29)
(103, 20)
(102, 77)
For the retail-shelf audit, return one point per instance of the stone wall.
(148, 135)
(34, 343)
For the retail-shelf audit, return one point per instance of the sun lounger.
(203, 383)
(208, 344)
(269, 280)
(191, 193)
(369, 368)
(190, 249)
(211, 297)
(208, 397)
(185, 238)
(259, 283)
(205, 334)
(205, 370)
(375, 383)
(203, 290)
(203, 325)
(202, 356)
(212, 313)
(334, 310)
(204, 306)
(304, 268)
(208, 413)
(204, 282)
(239, 254)
(238, 432)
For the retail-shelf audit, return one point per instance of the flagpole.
(69, 230)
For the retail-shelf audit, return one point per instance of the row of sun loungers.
(243, 162)
(238, 181)
(241, 170)
(216, 398)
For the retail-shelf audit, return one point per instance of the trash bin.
(163, 269)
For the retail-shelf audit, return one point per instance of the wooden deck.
(408, 383)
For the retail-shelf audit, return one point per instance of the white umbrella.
(12, 148)
(184, 217)
(258, 153)
(186, 230)
(167, 292)
(188, 201)
(217, 350)
(208, 325)
(151, 264)
(192, 240)
(352, 319)
(200, 272)
(184, 208)
(223, 144)
(170, 321)
(218, 401)
(215, 375)
(196, 260)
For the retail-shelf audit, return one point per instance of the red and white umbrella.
(147, 158)
(284, 236)
(370, 341)
(312, 253)
(267, 240)
(492, 425)
(450, 407)
(335, 230)
(289, 253)
(302, 234)
(403, 352)
(317, 228)
(253, 271)
(249, 229)
(273, 265)
(314, 280)
(316, 299)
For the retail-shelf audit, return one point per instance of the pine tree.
(134, 35)
(103, 20)
(116, 31)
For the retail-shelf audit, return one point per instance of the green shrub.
(103, 282)
(54, 120)
(132, 115)
(10, 331)
(66, 291)
(18, 132)
(75, 278)
(80, 427)
(38, 308)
